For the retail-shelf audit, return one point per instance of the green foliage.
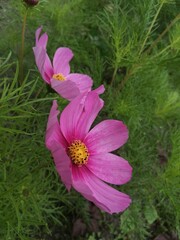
(132, 47)
(170, 178)
(31, 194)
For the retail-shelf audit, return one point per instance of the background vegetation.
(132, 47)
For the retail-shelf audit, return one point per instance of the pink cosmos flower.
(82, 156)
(57, 74)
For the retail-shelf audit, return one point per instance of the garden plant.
(89, 120)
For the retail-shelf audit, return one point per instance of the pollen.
(78, 153)
(59, 76)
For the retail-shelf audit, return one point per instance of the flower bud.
(31, 3)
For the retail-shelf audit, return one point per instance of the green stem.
(163, 33)
(114, 75)
(166, 48)
(150, 28)
(128, 74)
(21, 58)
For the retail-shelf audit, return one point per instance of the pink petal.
(42, 60)
(48, 69)
(61, 60)
(37, 34)
(78, 116)
(43, 63)
(66, 89)
(105, 197)
(41, 41)
(40, 56)
(99, 90)
(56, 143)
(53, 131)
(83, 82)
(70, 117)
(110, 168)
(107, 136)
(63, 164)
(91, 109)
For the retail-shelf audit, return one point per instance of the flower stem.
(162, 34)
(130, 72)
(150, 28)
(21, 57)
(114, 75)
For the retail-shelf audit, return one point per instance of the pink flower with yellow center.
(82, 156)
(57, 74)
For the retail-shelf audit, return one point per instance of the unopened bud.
(31, 2)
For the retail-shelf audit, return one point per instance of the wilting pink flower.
(82, 156)
(57, 74)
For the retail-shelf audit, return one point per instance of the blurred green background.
(133, 48)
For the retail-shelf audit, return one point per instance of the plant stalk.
(163, 33)
(130, 72)
(21, 57)
(114, 75)
(150, 28)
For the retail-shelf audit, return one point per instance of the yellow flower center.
(59, 76)
(78, 153)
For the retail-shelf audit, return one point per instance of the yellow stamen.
(78, 153)
(59, 76)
